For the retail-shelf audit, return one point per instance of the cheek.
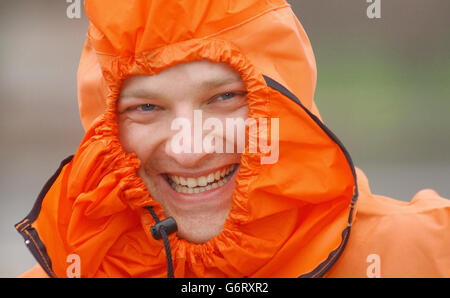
(140, 139)
(240, 113)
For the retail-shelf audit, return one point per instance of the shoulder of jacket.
(35, 272)
(426, 201)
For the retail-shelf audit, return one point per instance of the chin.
(199, 231)
(199, 216)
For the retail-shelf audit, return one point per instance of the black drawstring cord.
(161, 230)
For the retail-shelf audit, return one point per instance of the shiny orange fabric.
(411, 239)
(287, 219)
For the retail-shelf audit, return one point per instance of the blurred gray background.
(383, 88)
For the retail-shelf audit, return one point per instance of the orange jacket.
(311, 214)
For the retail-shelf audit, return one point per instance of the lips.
(191, 185)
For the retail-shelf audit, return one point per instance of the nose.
(186, 160)
(185, 146)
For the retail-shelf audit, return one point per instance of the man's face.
(193, 188)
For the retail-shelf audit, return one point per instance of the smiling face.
(194, 188)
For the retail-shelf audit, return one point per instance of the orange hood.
(288, 219)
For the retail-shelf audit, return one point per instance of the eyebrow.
(208, 83)
(217, 82)
(140, 92)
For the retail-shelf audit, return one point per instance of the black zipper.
(36, 247)
(29, 234)
(323, 267)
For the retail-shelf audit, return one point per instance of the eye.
(146, 107)
(226, 96)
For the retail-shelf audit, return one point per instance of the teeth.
(196, 185)
(191, 182)
(202, 181)
(210, 178)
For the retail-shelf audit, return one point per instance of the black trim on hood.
(30, 235)
(323, 267)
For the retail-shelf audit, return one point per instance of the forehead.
(197, 74)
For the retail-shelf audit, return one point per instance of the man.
(142, 199)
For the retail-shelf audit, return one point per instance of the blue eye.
(147, 107)
(227, 95)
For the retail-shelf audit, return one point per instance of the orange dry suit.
(310, 214)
